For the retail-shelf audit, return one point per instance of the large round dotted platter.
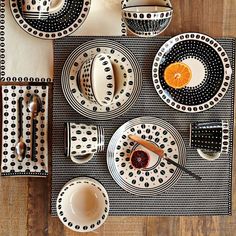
(59, 24)
(211, 72)
(66, 194)
(159, 175)
(127, 72)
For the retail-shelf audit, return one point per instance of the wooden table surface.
(25, 202)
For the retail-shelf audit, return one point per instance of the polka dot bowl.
(96, 80)
(83, 204)
(147, 21)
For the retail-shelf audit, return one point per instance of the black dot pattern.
(10, 164)
(158, 171)
(210, 136)
(84, 139)
(215, 62)
(126, 67)
(57, 25)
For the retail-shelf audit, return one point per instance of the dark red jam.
(139, 159)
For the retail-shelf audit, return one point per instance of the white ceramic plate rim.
(66, 72)
(48, 35)
(112, 146)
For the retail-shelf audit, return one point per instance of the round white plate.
(127, 72)
(67, 199)
(211, 72)
(159, 175)
(68, 17)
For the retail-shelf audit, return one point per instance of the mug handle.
(83, 160)
(209, 156)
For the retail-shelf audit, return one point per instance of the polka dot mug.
(82, 141)
(40, 9)
(210, 138)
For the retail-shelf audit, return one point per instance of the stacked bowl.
(96, 80)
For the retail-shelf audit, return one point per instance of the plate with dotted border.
(159, 175)
(76, 226)
(211, 72)
(59, 24)
(126, 68)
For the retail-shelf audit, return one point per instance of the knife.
(155, 149)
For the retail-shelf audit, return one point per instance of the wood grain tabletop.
(25, 202)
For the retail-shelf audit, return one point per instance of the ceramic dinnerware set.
(102, 80)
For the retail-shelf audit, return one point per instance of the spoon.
(35, 106)
(20, 146)
(155, 149)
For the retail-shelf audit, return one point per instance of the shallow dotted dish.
(59, 24)
(127, 73)
(159, 175)
(66, 200)
(211, 72)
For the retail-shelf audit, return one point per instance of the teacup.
(82, 141)
(210, 138)
(96, 80)
(35, 9)
(40, 9)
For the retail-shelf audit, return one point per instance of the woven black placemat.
(212, 196)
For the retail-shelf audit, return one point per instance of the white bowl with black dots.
(147, 21)
(83, 204)
(159, 175)
(211, 72)
(85, 80)
(103, 81)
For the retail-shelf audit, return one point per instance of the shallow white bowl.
(83, 204)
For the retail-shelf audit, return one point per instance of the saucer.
(90, 211)
(211, 72)
(159, 175)
(66, 17)
(125, 67)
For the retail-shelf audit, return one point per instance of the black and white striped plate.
(127, 74)
(69, 17)
(159, 175)
(211, 72)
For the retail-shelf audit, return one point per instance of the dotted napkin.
(10, 166)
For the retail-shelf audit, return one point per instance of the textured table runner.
(212, 196)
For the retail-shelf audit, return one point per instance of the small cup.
(210, 138)
(35, 9)
(82, 141)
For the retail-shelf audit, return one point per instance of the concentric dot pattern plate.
(128, 78)
(75, 226)
(59, 24)
(211, 72)
(159, 175)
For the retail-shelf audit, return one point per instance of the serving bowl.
(83, 204)
(147, 21)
